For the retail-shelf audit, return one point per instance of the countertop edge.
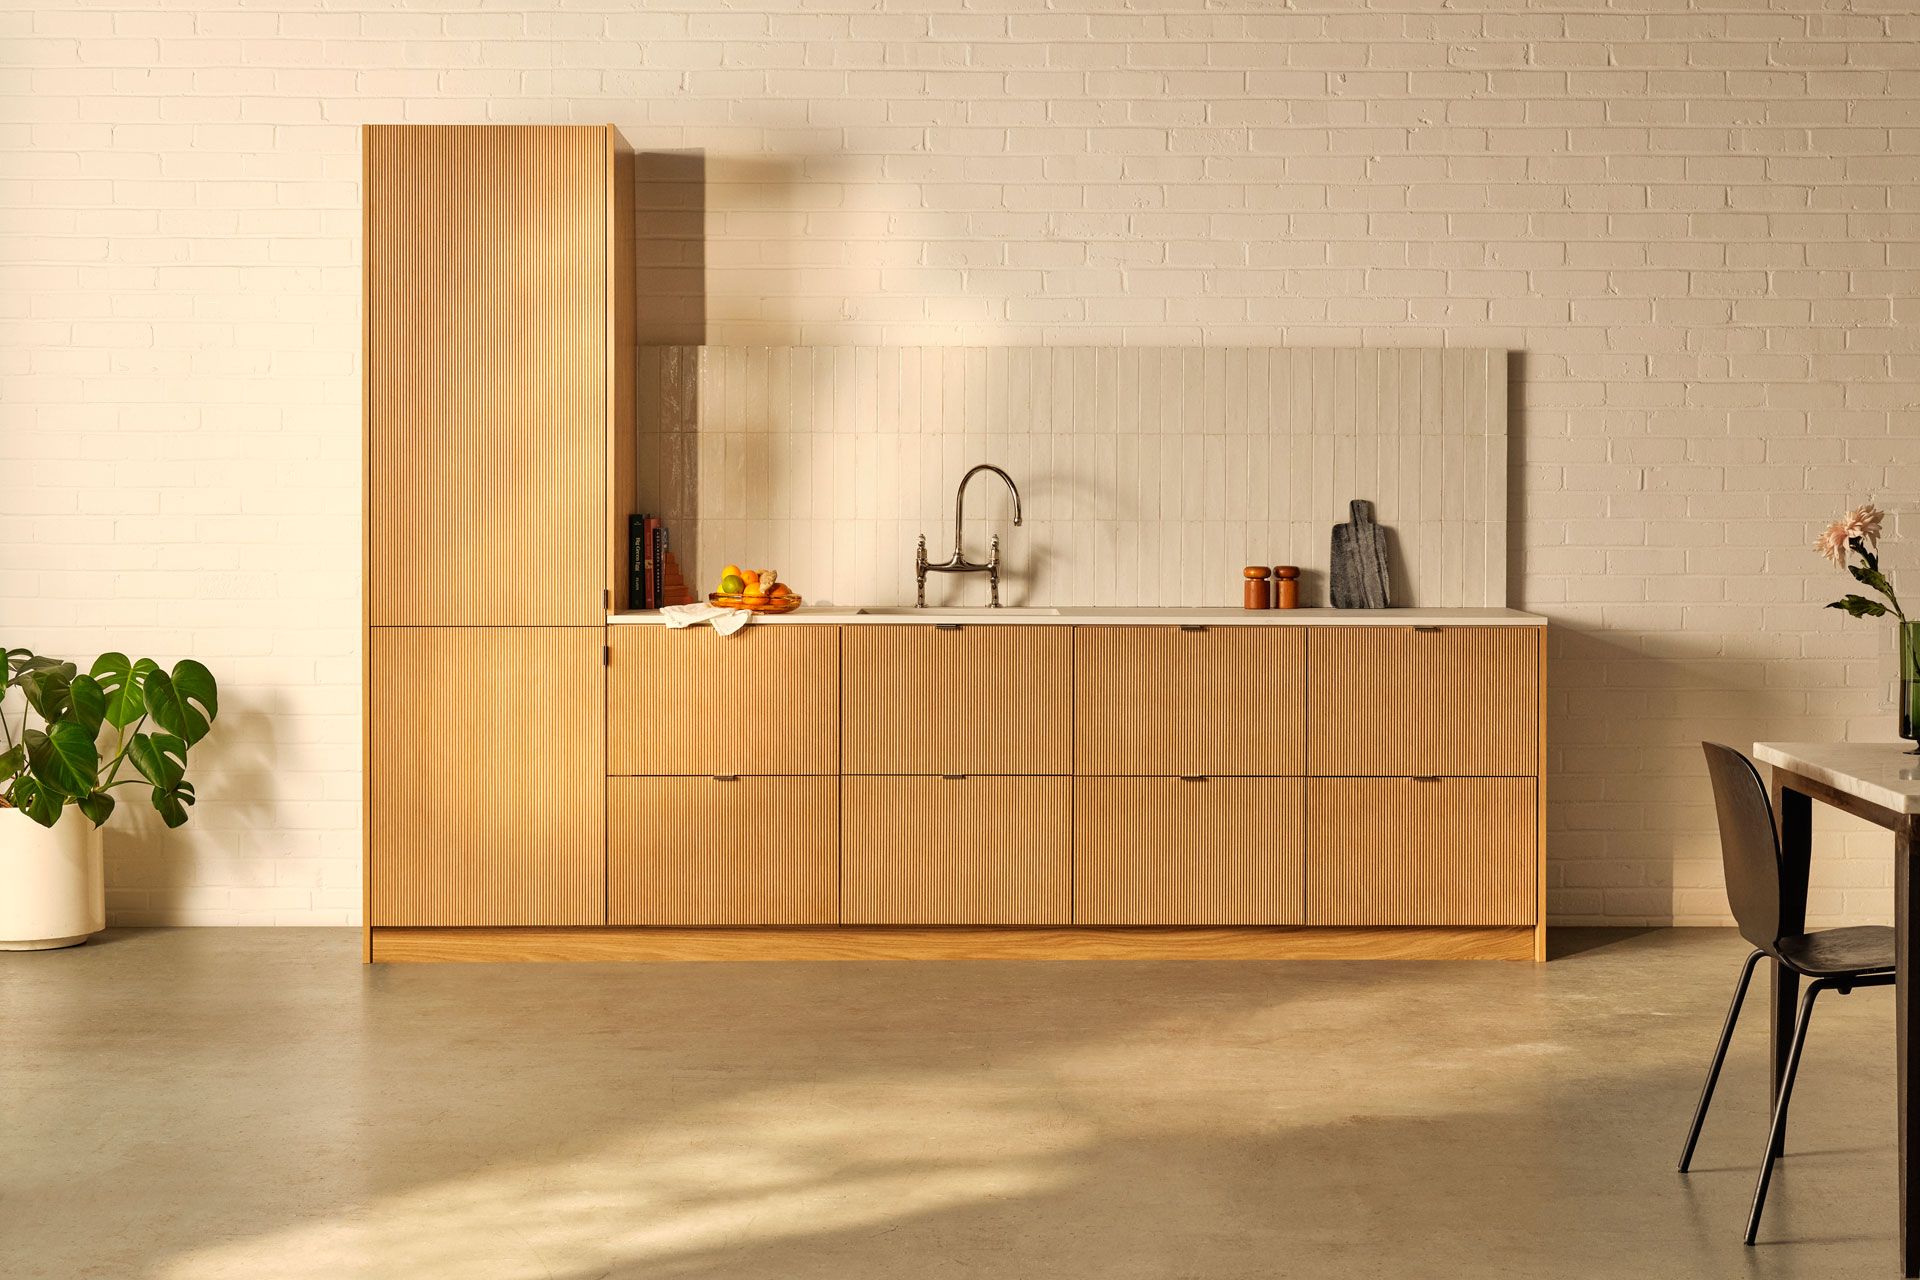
(1782, 755)
(833, 616)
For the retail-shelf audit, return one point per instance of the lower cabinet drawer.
(703, 851)
(975, 850)
(1175, 851)
(1445, 851)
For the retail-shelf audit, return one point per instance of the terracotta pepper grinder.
(1288, 586)
(1258, 596)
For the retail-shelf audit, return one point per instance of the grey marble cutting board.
(1357, 572)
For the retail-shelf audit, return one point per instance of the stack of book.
(653, 578)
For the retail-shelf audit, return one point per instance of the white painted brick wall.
(1699, 223)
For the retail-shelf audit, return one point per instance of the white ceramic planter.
(53, 887)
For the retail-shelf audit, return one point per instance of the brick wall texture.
(1697, 223)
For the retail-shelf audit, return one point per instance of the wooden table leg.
(1794, 812)
(1906, 843)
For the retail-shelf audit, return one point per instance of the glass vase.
(1908, 688)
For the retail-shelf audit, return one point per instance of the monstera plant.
(155, 717)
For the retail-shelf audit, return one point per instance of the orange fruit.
(780, 589)
(749, 577)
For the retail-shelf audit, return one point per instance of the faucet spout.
(960, 501)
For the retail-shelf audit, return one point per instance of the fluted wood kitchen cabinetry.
(747, 850)
(958, 699)
(497, 283)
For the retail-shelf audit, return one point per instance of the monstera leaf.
(38, 803)
(171, 700)
(161, 758)
(64, 759)
(47, 688)
(121, 681)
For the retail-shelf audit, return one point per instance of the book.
(660, 540)
(636, 567)
(649, 572)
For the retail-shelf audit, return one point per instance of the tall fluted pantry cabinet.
(498, 341)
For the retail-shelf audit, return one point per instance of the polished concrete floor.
(242, 1103)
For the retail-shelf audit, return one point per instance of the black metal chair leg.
(1719, 1058)
(1780, 1109)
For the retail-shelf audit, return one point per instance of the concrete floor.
(193, 1104)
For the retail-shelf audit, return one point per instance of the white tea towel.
(725, 621)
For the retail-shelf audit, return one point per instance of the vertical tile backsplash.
(1148, 475)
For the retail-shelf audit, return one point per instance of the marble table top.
(1881, 773)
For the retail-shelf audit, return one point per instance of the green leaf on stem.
(161, 758)
(47, 688)
(64, 759)
(37, 802)
(12, 760)
(1860, 607)
(172, 802)
(98, 807)
(89, 703)
(120, 680)
(172, 706)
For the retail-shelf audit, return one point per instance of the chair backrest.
(1749, 845)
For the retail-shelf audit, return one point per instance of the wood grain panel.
(766, 700)
(977, 850)
(622, 375)
(1359, 705)
(488, 290)
(1498, 943)
(1167, 851)
(486, 776)
(1163, 700)
(1476, 706)
(1401, 851)
(984, 699)
(700, 851)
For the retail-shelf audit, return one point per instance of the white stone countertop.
(890, 615)
(1881, 773)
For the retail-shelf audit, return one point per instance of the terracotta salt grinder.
(1257, 593)
(1288, 586)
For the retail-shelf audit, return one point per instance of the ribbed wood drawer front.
(1163, 700)
(702, 851)
(486, 377)
(766, 700)
(1397, 701)
(1359, 704)
(1405, 851)
(484, 776)
(982, 699)
(976, 850)
(1477, 706)
(1169, 851)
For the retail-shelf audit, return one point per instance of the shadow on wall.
(670, 256)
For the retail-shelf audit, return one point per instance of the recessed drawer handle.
(1186, 627)
(1426, 777)
(1193, 777)
(1433, 629)
(954, 777)
(946, 626)
(726, 777)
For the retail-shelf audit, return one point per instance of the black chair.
(1840, 959)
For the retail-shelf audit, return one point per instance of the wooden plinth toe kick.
(842, 943)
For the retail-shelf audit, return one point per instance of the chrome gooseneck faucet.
(959, 563)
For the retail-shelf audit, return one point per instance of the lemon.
(731, 571)
(731, 585)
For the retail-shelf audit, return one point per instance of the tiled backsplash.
(1148, 476)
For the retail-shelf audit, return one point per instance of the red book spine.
(652, 580)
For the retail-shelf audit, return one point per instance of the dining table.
(1880, 782)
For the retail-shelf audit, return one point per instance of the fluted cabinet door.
(1168, 851)
(487, 374)
(976, 850)
(485, 778)
(711, 851)
(1359, 705)
(1421, 851)
(1476, 702)
(981, 699)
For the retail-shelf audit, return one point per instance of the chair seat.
(1833, 953)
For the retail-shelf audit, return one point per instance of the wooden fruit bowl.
(769, 604)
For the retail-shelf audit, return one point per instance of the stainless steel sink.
(965, 611)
